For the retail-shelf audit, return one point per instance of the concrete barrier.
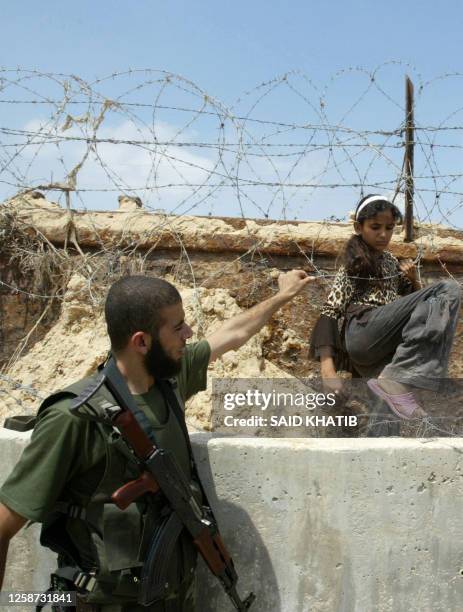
(319, 525)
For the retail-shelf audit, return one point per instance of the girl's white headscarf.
(373, 198)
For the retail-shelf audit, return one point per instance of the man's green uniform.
(66, 463)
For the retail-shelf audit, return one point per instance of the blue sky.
(226, 49)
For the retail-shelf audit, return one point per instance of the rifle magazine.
(154, 578)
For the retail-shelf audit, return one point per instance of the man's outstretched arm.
(10, 524)
(236, 331)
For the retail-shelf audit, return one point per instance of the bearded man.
(73, 464)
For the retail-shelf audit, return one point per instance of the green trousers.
(183, 601)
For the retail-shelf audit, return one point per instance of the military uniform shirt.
(66, 455)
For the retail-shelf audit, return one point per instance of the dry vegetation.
(56, 268)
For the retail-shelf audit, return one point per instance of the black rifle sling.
(165, 386)
(118, 387)
(171, 400)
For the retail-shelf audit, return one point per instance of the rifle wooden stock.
(213, 552)
(134, 489)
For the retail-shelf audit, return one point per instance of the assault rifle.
(162, 473)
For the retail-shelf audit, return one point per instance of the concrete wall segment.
(346, 524)
(319, 525)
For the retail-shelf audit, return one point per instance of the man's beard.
(159, 364)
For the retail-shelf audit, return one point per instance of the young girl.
(394, 332)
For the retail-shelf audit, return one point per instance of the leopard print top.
(377, 292)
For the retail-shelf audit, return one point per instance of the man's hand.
(236, 331)
(293, 282)
(10, 524)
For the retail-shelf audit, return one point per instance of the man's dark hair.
(134, 303)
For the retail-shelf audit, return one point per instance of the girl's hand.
(335, 384)
(409, 269)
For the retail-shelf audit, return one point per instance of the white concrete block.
(319, 525)
(338, 525)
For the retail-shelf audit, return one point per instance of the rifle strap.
(168, 393)
(171, 400)
(112, 372)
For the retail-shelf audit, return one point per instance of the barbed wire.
(288, 149)
(108, 106)
(74, 91)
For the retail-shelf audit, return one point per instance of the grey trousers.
(409, 340)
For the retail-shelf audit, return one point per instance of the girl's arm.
(339, 297)
(409, 277)
(327, 367)
(325, 340)
(331, 380)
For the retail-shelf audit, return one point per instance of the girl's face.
(377, 231)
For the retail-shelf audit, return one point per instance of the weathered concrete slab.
(319, 525)
(339, 525)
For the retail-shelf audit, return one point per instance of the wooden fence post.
(409, 159)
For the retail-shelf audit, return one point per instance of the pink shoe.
(403, 405)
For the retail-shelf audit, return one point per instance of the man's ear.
(357, 227)
(139, 341)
